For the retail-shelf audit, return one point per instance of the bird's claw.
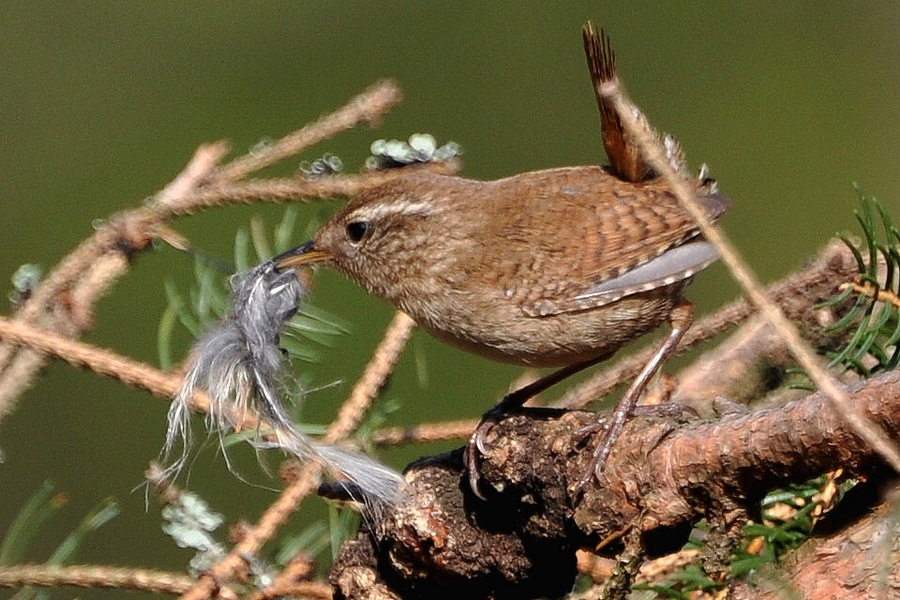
(476, 448)
(609, 435)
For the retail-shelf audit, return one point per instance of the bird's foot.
(476, 448)
(610, 428)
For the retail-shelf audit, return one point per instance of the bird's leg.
(680, 318)
(509, 404)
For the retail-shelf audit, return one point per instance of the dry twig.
(92, 576)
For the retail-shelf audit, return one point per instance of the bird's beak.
(300, 256)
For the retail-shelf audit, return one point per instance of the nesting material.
(245, 372)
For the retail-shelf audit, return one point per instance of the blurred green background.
(101, 104)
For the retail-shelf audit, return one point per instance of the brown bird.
(559, 267)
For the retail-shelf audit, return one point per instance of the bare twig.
(18, 366)
(90, 576)
(805, 356)
(81, 354)
(424, 432)
(87, 273)
(110, 364)
(199, 169)
(280, 190)
(294, 190)
(867, 289)
(303, 589)
(373, 378)
(273, 517)
(368, 107)
(294, 589)
(293, 580)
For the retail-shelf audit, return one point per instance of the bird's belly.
(504, 333)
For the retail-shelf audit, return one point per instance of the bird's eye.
(357, 230)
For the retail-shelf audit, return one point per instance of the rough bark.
(661, 477)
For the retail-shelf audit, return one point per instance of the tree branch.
(661, 475)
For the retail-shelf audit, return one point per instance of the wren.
(552, 268)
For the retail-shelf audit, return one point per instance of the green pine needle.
(32, 518)
(873, 345)
(42, 505)
(207, 300)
